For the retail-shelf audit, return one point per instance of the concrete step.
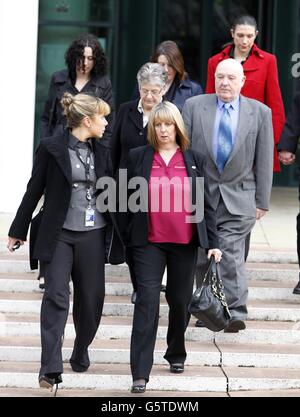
(262, 379)
(258, 290)
(273, 272)
(117, 377)
(29, 303)
(27, 349)
(18, 264)
(27, 392)
(43, 393)
(267, 393)
(259, 355)
(284, 256)
(281, 272)
(28, 285)
(256, 254)
(114, 328)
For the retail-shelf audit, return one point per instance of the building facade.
(128, 31)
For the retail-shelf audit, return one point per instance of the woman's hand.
(217, 254)
(11, 243)
(286, 158)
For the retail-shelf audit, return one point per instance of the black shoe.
(78, 368)
(133, 297)
(138, 388)
(199, 323)
(235, 326)
(49, 380)
(297, 289)
(163, 288)
(177, 368)
(42, 283)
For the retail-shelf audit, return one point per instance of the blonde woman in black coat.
(161, 233)
(71, 237)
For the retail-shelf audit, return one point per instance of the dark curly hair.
(74, 55)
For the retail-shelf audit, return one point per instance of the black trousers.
(79, 255)
(298, 223)
(149, 265)
(129, 260)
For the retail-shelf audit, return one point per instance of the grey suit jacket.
(246, 182)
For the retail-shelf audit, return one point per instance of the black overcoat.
(134, 227)
(128, 133)
(52, 177)
(53, 120)
(291, 131)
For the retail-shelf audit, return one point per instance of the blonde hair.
(167, 112)
(82, 105)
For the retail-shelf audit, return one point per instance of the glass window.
(60, 22)
(181, 22)
(201, 28)
(224, 13)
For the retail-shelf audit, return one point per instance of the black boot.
(297, 288)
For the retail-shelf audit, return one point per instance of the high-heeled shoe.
(138, 388)
(177, 368)
(49, 380)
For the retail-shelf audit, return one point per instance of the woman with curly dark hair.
(86, 72)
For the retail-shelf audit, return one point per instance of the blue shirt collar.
(233, 104)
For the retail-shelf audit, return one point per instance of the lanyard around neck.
(87, 165)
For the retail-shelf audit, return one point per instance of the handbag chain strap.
(218, 287)
(215, 282)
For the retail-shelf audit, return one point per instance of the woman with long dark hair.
(86, 72)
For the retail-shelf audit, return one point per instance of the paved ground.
(277, 230)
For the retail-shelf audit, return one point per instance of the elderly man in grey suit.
(235, 135)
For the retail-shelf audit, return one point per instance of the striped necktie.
(224, 138)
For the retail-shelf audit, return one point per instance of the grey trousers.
(232, 231)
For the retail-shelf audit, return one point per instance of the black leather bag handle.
(212, 268)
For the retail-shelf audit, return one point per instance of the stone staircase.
(262, 360)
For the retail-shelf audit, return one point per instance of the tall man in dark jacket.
(287, 148)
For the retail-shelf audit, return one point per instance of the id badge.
(89, 217)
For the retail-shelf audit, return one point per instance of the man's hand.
(217, 254)
(287, 158)
(260, 213)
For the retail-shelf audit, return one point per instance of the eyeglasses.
(154, 93)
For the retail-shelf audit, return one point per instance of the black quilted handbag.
(208, 302)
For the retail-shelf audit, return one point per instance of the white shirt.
(145, 117)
